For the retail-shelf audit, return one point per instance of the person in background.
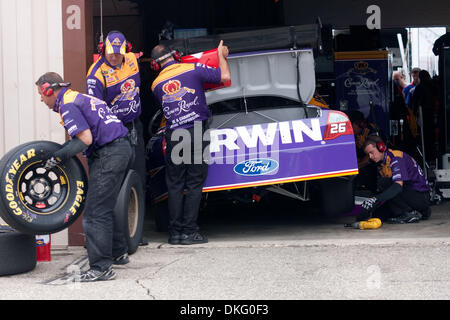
(115, 79)
(409, 89)
(426, 97)
(411, 140)
(179, 88)
(404, 191)
(104, 140)
(367, 176)
(399, 81)
(317, 100)
(406, 137)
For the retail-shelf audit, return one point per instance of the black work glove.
(368, 207)
(67, 151)
(52, 162)
(370, 204)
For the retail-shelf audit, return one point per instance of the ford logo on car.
(256, 167)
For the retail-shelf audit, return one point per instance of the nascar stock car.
(267, 136)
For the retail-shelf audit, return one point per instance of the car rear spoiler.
(297, 37)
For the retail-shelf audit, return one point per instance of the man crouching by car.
(179, 90)
(405, 191)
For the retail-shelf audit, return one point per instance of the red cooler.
(210, 59)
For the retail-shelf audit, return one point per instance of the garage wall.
(30, 45)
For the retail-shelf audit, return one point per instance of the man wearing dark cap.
(104, 140)
(115, 79)
(179, 89)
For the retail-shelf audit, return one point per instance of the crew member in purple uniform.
(104, 140)
(406, 195)
(115, 79)
(179, 89)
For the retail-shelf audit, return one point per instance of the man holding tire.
(104, 140)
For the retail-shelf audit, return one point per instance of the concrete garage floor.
(292, 223)
(282, 252)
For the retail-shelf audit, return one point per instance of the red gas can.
(210, 59)
(43, 246)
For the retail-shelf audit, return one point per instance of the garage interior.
(145, 23)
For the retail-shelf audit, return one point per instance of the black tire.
(160, 211)
(154, 124)
(130, 210)
(38, 201)
(336, 196)
(17, 252)
(6, 156)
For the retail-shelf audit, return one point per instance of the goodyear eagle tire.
(17, 252)
(130, 210)
(38, 201)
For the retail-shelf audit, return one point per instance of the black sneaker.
(412, 217)
(143, 242)
(193, 238)
(95, 275)
(174, 239)
(426, 214)
(123, 259)
(409, 217)
(395, 220)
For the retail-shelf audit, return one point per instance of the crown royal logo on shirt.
(174, 91)
(127, 86)
(172, 87)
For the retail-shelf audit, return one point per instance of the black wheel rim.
(43, 191)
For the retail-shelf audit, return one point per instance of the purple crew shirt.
(401, 166)
(117, 86)
(179, 89)
(80, 112)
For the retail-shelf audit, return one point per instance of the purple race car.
(264, 135)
